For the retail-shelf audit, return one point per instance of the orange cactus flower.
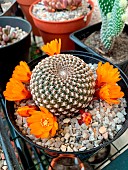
(42, 123)
(16, 91)
(22, 72)
(106, 73)
(52, 48)
(87, 118)
(25, 110)
(111, 93)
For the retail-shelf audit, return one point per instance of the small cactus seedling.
(113, 14)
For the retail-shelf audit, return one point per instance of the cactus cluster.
(9, 35)
(54, 5)
(113, 14)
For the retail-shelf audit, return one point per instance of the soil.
(117, 55)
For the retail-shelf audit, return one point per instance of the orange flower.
(86, 118)
(16, 91)
(22, 72)
(52, 48)
(42, 123)
(25, 110)
(106, 74)
(111, 93)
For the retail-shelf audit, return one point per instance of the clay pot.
(25, 4)
(50, 30)
(65, 161)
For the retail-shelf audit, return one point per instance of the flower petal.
(42, 123)
(25, 110)
(22, 72)
(53, 130)
(52, 48)
(16, 91)
(111, 93)
(106, 73)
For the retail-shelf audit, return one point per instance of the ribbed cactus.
(53, 5)
(113, 14)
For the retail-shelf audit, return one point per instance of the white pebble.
(123, 112)
(82, 149)
(102, 129)
(66, 120)
(38, 143)
(63, 148)
(120, 115)
(85, 135)
(95, 124)
(69, 149)
(118, 127)
(105, 135)
(67, 136)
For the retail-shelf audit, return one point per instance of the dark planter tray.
(81, 34)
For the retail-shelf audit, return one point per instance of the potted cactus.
(57, 19)
(111, 41)
(69, 102)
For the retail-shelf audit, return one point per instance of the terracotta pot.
(25, 4)
(50, 30)
(67, 161)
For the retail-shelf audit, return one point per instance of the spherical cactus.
(53, 5)
(62, 83)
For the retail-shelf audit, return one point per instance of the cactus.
(63, 84)
(113, 20)
(53, 5)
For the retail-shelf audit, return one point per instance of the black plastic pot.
(11, 55)
(88, 58)
(78, 36)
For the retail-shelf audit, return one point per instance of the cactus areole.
(113, 14)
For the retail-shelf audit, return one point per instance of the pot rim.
(59, 22)
(17, 19)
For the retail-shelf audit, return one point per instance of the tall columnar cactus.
(113, 14)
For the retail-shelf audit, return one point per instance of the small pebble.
(66, 120)
(63, 148)
(105, 135)
(102, 129)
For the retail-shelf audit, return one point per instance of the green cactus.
(113, 15)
